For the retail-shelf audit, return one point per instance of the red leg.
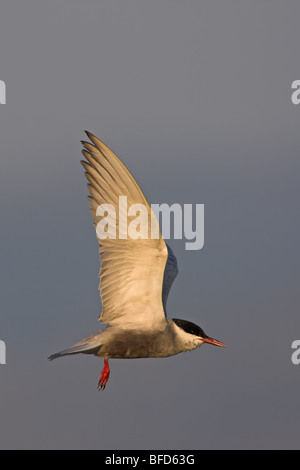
(104, 376)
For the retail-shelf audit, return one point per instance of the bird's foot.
(104, 376)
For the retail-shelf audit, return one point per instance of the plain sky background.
(195, 98)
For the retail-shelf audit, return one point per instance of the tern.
(136, 274)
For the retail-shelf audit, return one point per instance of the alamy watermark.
(296, 94)
(296, 354)
(135, 222)
(2, 352)
(2, 92)
(2, 101)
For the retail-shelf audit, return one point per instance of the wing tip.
(100, 146)
(91, 136)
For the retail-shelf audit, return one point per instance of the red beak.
(214, 342)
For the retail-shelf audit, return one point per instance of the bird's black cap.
(190, 327)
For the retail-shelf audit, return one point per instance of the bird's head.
(194, 335)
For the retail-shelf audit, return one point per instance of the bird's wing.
(170, 274)
(132, 270)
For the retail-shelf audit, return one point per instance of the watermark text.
(2, 352)
(2, 92)
(135, 221)
(296, 94)
(296, 354)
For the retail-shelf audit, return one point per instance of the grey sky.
(195, 98)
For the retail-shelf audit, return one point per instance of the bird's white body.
(128, 342)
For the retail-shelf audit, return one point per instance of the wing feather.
(132, 270)
(170, 274)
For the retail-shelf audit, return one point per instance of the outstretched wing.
(132, 270)
(170, 274)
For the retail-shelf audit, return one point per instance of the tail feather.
(85, 348)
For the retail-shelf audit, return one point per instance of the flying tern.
(136, 274)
